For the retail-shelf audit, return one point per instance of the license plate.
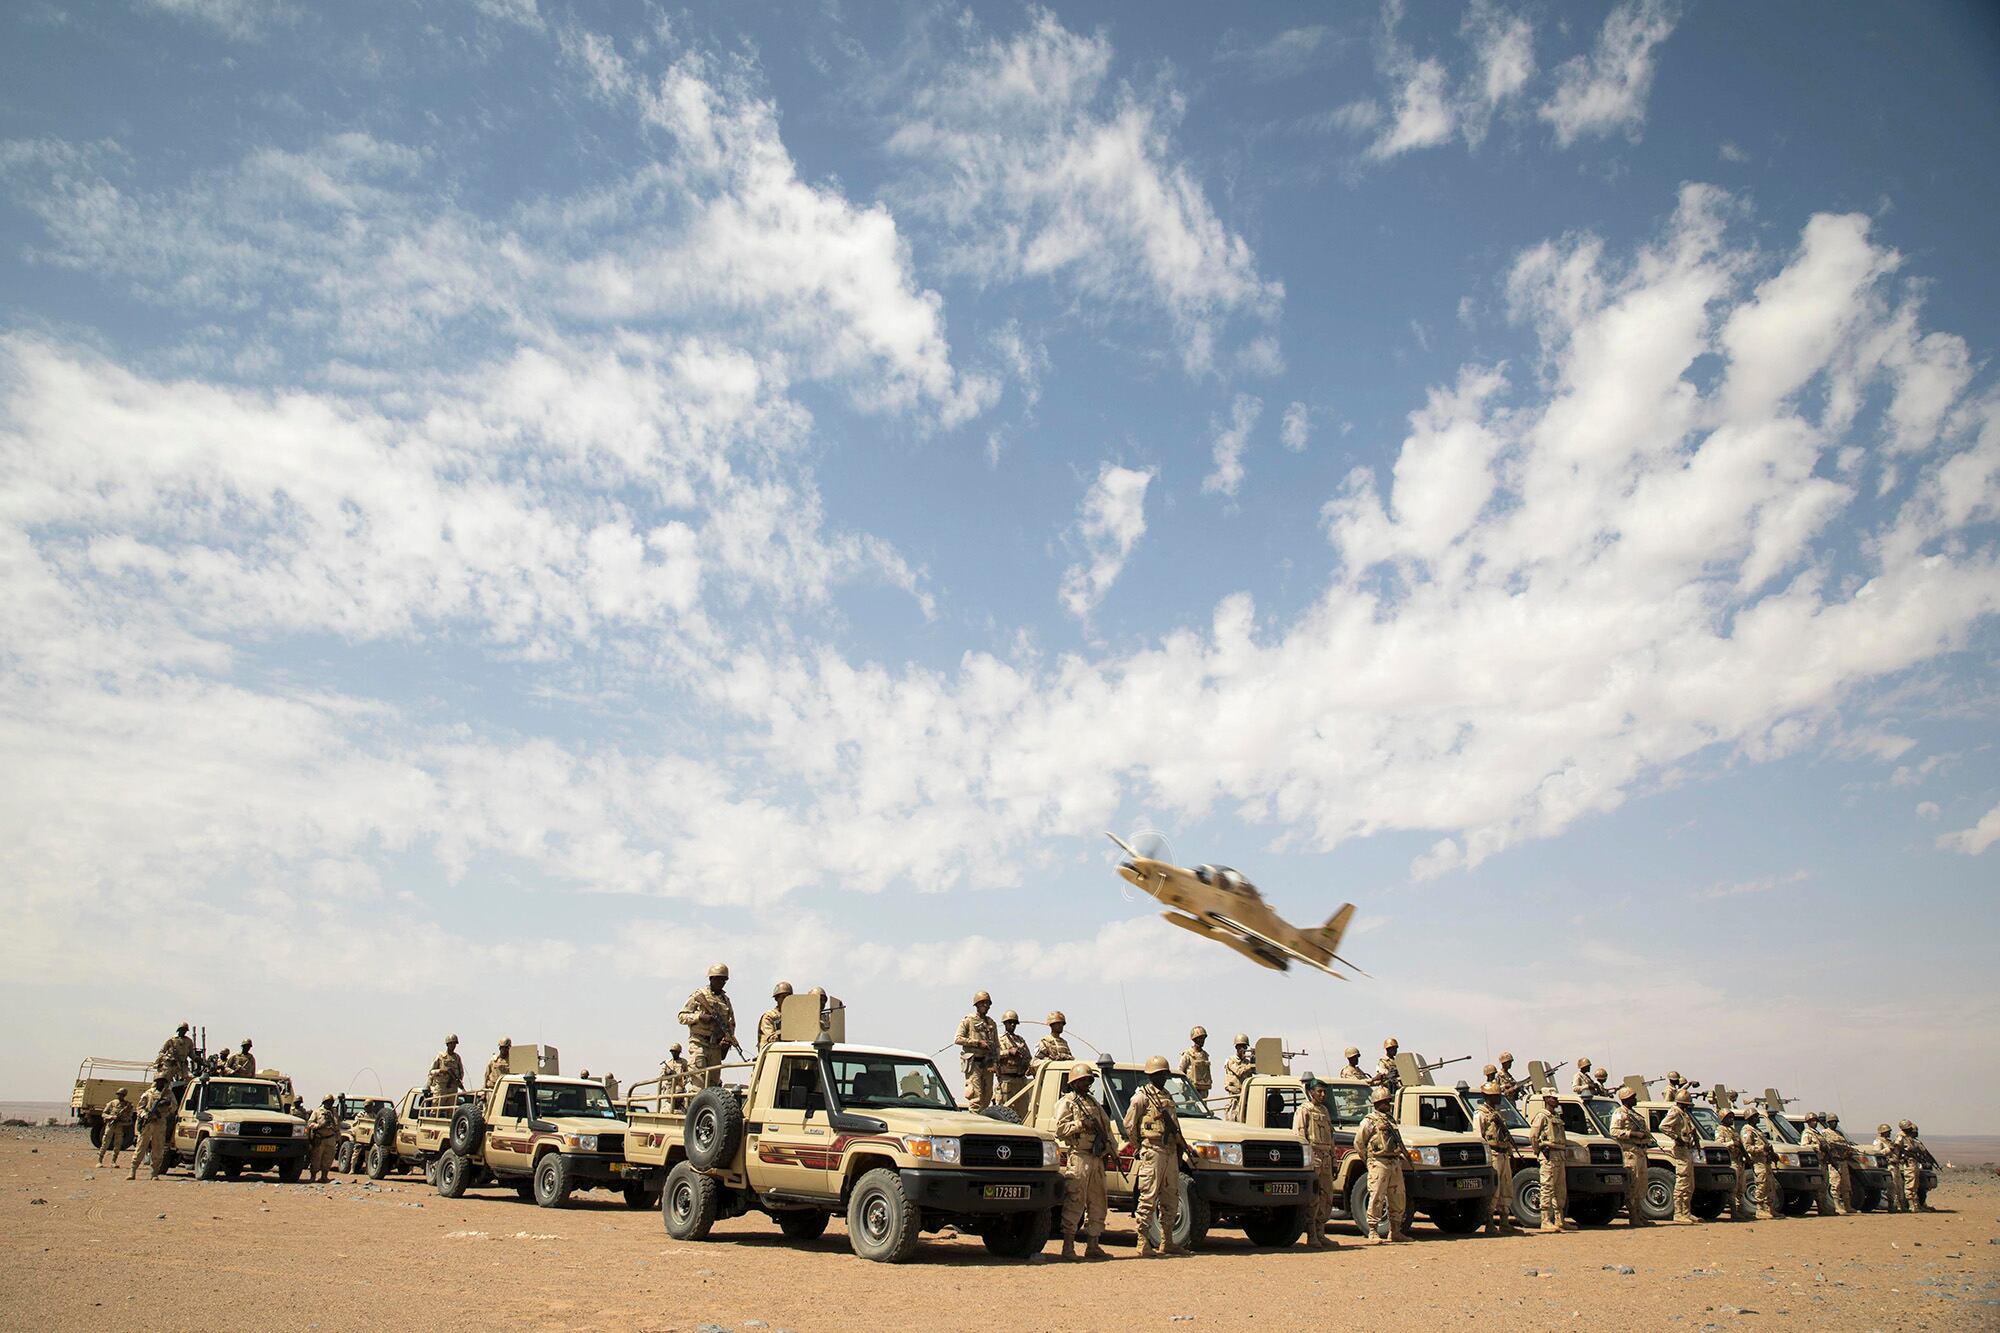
(616, 1167)
(1469, 1183)
(1281, 1187)
(1006, 1191)
(265, 1147)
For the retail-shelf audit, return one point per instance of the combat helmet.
(1391, 1044)
(1055, 1016)
(981, 997)
(1197, 1032)
(1583, 1063)
(1812, 1117)
(1382, 1095)
(506, 1043)
(781, 990)
(1506, 1057)
(1010, 1017)
(1883, 1129)
(450, 1039)
(1353, 1052)
(674, 1049)
(1489, 1089)
(1156, 1064)
(1625, 1094)
(1490, 1070)
(1080, 1072)
(1683, 1096)
(1242, 1039)
(720, 972)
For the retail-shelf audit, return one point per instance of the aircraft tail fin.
(1328, 936)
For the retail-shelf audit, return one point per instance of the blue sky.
(507, 503)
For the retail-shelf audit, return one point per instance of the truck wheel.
(204, 1160)
(1004, 1114)
(1797, 1203)
(714, 1128)
(454, 1173)
(1191, 1228)
(553, 1181)
(1016, 1235)
(289, 1172)
(636, 1197)
(526, 1189)
(343, 1159)
(1594, 1210)
(385, 1128)
(232, 1170)
(1869, 1201)
(1659, 1196)
(1527, 1200)
(1708, 1205)
(881, 1220)
(1461, 1217)
(803, 1223)
(97, 1133)
(1275, 1228)
(431, 1170)
(467, 1127)
(378, 1161)
(689, 1203)
(1357, 1205)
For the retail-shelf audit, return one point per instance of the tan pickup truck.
(1254, 1178)
(407, 1135)
(97, 1082)
(825, 1128)
(1596, 1171)
(231, 1125)
(546, 1136)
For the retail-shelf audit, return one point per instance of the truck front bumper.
(973, 1192)
(1233, 1191)
(1436, 1184)
(1715, 1179)
(1595, 1179)
(252, 1152)
(1872, 1178)
(589, 1168)
(1800, 1180)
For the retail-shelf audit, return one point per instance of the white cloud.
(1928, 810)
(524, 13)
(1231, 439)
(1731, 152)
(1975, 840)
(1421, 113)
(1109, 525)
(1296, 428)
(1762, 884)
(1426, 104)
(238, 20)
(1044, 169)
(1287, 53)
(1605, 92)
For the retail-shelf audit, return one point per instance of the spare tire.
(385, 1128)
(714, 1129)
(1005, 1114)
(467, 1128)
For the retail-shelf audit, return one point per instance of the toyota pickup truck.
(228, 1126)
(825, 1128)
(1450, 1181)
(1800, 1173)
(1714, 1170)
(408, 1135)
(97, 1082)
(1596, 1171)
(1255, 1179)
(544, 1137)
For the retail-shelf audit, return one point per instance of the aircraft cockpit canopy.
(1225, 877)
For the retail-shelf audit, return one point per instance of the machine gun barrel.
(1429, 1065)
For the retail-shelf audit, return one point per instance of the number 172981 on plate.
(1006, 1192)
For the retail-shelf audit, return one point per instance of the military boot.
(1068, 1246)
(1092, 1250)
(1146, 1250)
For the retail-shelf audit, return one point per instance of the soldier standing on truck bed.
(673, 1077)
(1010, 1064)
(1194, 1065)
(156, 1117)
(176, 1057)
(1083, 1132)
(1315, 1126)
(1353, 1069)
(1584, 1083)
(1385, 1069)
(1510, 1087)
(977, 1040)
(242, 1064)
(1380, 1146)
(1238, 1068)
(1499, 1143)
(1634, 1139)
(772, 1018)
(119, 1114)
(1551, 1144)
(1155, 1132)
(499, 1066)
(447, 1074)
(711, 1025)
(1055, 1046)
(322, 1137)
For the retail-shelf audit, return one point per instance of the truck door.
(509, 1141)
(788, 1144)
(185, 1122)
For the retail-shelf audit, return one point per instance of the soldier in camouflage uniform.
(1634, 1140)
(674, 1073)
(1550, 1141)
(1915, 1158)
(119, 1115)
(1353, 1069)
(1770, 1195)
(1054, 1046)
(711, 1025)
(1584, 1083)
(1238, 1068)
(447, 1076)
(157, 1109)
(1010, 1062)
(176, 1057)
(1154, 1130)
(1811, 1137)
(242, 1064)
(1385, 1069)
(322, 1137)
(1510, 1087)
(1380, 1146)
(1684, 1138)
(497, 1068)
(1674, 1082)
(978, 1042)
(1839, 1150)
(771, 1019)
(1499, 1141)
(1194, 1062)
(1891, 1154)
(1083, 1133)
(1315, 1125)
(1740, 1208)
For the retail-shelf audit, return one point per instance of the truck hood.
(569, 1124)
(1232, 1131)
(249, 1116)
(950, 1124)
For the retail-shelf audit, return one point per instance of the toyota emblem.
(1274, 1154)
(1003, 1152)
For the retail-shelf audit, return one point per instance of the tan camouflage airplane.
(1218, 903)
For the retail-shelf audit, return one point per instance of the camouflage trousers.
(1005, 1086)
(1843, 1186)
(1683, 1184)
(1741, 1207)
(1823, 1191)
(702, 1057)
(978, 1085)
(1083, 1196)
(321, 1160)
(153, 1141)
(1635, 1184)
(1770, 1194)
(117, 1138)
(1554, 1169)
(1913, 1186)
(1157, 1182)
(1899, 1197)
(1503, 1197)
(1388, 1198)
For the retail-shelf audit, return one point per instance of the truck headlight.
(1579, 1153)
(1051, 1154)
(1312, 1158)
(230, 1127)
(939, 1148)
(1426, 1157)
(298, 1131)
(585, 1142)
(1231, 1154)
(1208, 1152)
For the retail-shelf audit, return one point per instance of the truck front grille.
(1715, 1156)
(1603, 1154)
(1462, 1154)
(259, 1129)
(1808, 1159)
(1275, 1155)
(999, 1150)
(614, 1144)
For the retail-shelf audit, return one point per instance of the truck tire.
(343, 1159)
(431, 1170)
(1797, 1203)
(468, 1126)
(1708, 1204)
(1594, 1210)
(636, 1197)
(553, 1181)
(1869, 1200)
(205, 1162)
(454, 1173)
(881, 1221)
(97, 1133)
(1276, 1228)
(714, 1129)
(385, 1127)
(803, 1223)
(1659, 1196)
(1357, 1202)
(378, 1162)
(689, 1203)
(1191, 1228)
(1005, 1114)
(1527, 1201)
(1016, 1235)
(525, 1187)
(289, 1172)
(1461, 1217)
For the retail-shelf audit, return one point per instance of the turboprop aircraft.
(1218, 903)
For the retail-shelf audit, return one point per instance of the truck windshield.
(586, 1101)
(1785, 1129)
(240, 1097)
(888, 1080)
(1187, 1102)
(1510, 1114)
(1705, 1121)
(1600, 1111)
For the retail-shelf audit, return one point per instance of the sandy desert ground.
(86, 1249)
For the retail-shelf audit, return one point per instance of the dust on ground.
(83, 1248)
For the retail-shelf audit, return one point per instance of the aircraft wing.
(1283, 947)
